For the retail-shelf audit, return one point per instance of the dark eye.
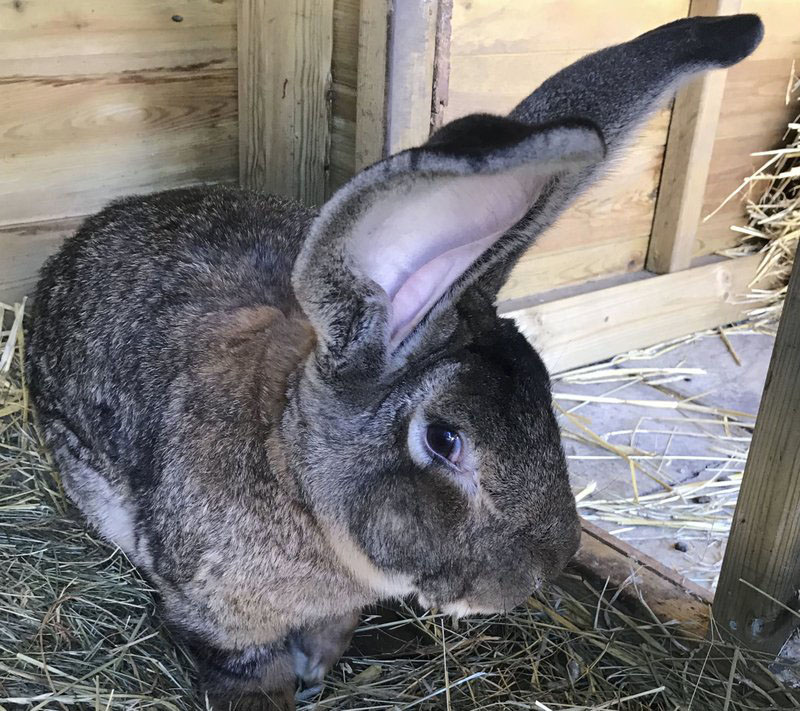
(444, 441)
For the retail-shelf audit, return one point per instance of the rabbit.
(283, 416)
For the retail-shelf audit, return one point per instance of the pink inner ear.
(416, 242)
(421, 290)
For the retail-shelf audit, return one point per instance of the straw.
(79, 628)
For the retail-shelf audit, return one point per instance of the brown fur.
(233, 396)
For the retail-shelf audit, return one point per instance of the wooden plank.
(80, 37)
(582, 329)
(285, 53)
(344, 87)
(412, 49)
(441, 63)
(690, 143)
(24, 248)
(503, 49)
(634, 576)
(540, 271)
(764, 544)
(71, 144)
(517, 27)
(371, 97)
(105, 99)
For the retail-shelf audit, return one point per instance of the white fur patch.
(462, 608)
(103, 506)
(386, 584)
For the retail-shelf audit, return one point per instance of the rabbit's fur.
(238, 392)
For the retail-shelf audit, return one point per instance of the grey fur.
(213, 374)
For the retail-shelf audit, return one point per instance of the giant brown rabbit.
(282, 416)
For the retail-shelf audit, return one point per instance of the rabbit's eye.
(444, 441)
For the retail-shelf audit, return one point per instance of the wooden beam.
(285, 50)
(764, 545)
(411, 68)
(588, 327)
(635, 576)
(690, 142)
(375, 18)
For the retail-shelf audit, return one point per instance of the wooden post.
(764, 546)
(403, 50)
(690, 142)
(285, 50)
(374, 27)
(411, 67)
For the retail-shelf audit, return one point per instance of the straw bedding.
(78, 626)
(698, 511)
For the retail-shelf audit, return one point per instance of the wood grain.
(501, 50)
(285, 52)
(78, 37)
(565, 265)
(344, 92)
(764, 544)
(24, 248)
(105, 99)
(690, 143)
(69, 145)
(410, 79)
(582, 329)
(372, 95)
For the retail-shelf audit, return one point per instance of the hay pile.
(76, 621)
(773, 226)
(78, 629)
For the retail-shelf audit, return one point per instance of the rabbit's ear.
(404, 238)
(392, 243)
(617, 88)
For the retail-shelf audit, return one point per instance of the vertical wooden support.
(690, 142)
(410, 78)
(441, 63)
(764, 545)
(285, 50)
(403, 68)
(374, 27)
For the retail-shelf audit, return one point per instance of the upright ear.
(404, 238)
(397, 238)
(617, 88)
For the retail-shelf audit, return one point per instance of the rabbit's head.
(421, 427)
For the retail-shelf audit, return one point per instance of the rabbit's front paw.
(316, 649)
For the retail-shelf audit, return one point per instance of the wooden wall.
(102, 99)
(500, 52)
(502, 49)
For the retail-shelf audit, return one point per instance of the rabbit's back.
(134, 300)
